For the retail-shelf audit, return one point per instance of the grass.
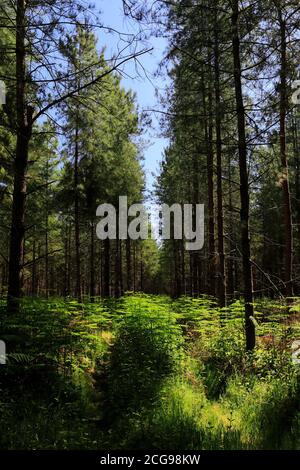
(148, 372)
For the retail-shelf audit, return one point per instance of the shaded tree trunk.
(177, 278)
(221, 255)
(128, 265)
(24, 129)
(134, 267)
(230, 257)
(46, 236)
(284, 162)
(183, 280)
(92, 264)
(121, 268)
(106, 270)
(297, 181)
(141, 269)
(244, 186)
(210, 190)
(33, 274)
(78, 291)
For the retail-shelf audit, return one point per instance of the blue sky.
(145, 88)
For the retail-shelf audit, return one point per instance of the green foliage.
(147, 371)
(147, 349)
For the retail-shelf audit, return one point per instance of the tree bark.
(244, 184)
(24, 130)
(92, 264)
(46, 235)
(210, 190)
(78, 291)
(141, 269)
(288, 230)
(106, 270)
(134, 267)
(221, 255)
(128, 265)
(33, 272)
(230, 258)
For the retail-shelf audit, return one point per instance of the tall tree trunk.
(106, 270)
(177, 278)
(244, 186)
(195, 200)
(183, 280)
(66, 266)
(284, 163)
(297, 180)
(78, 291)
(230, 258)
(128, 264)
(121, 267)
(92, 264)
(69, 258)
(191, 278)
(221, 255)
(134, 267)
(46, 235)
(24, 130)
(118, 271)
(141, 269)
(210, 189)
(33, 273)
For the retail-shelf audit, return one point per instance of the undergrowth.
(148, 372)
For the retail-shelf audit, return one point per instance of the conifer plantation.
(121, 342)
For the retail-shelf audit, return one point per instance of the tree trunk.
(33, 272)
(66, 265)
(210, 191)
(297, 180)
(244, 187)
(284, 163)
(128, 264)
(46, 235)
(177, 277)
(183, 281)
(78, 292)
(134, 267)
(106, 271)
(92, 264)
(221, 255)
(141, 270)
(118, 270)
(195, 200)
(121, 268)
(230, 258)
(24, 130)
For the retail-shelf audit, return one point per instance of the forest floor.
(145, 372)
